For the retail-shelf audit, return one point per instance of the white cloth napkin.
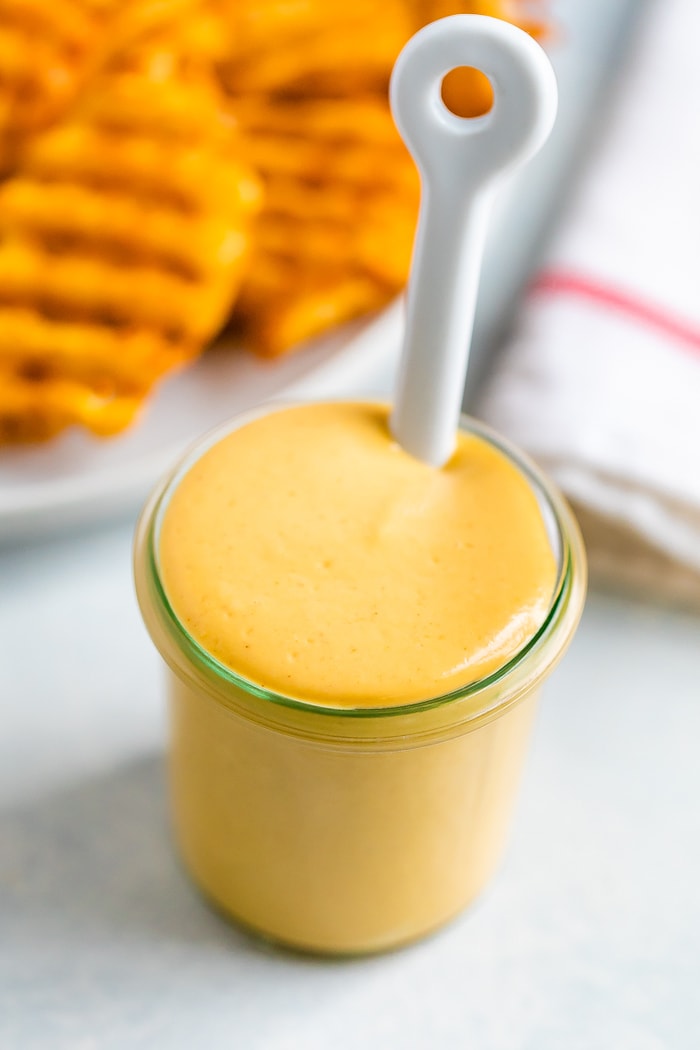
(601, 381)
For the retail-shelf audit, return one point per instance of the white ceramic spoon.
(461, 161)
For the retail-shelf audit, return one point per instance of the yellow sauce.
(307, 552)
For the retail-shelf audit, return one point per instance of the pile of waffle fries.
(171, 166)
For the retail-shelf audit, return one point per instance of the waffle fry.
(122, 239)
(320, 302)
(311, 47)
(49, 50)
(45, 50)
(336, 232)
(32, 413)
(334, 237)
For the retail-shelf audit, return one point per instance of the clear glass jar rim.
(571, 562)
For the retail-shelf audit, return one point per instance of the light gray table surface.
(588, 938)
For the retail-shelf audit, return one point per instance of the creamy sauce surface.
(308, 553)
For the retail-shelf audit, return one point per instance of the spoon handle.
(460, 161)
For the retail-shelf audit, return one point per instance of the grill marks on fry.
(122, 240)
(335, 234)
(45, 52)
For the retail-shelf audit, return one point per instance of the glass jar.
(353, 830)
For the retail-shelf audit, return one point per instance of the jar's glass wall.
(339, 850)
(349, 831)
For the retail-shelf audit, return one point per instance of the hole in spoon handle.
(460, 161)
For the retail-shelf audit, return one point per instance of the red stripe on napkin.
(562, 283)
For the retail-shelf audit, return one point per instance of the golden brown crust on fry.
(320, 302)
(341, 193)
(116, 264)
(49, 51)
(312, 47)
(334, 237)
(32, 410)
